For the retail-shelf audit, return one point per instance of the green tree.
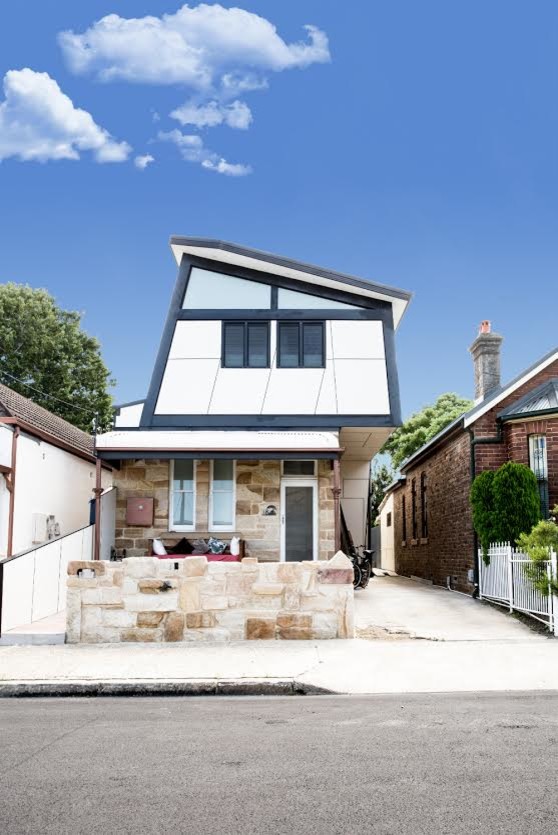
(505, 504)
(516, 501)
(45, 347)
(423, 425)
(482, 503)
(537, 545)
(380, 479)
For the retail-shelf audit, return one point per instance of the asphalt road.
(381, 764)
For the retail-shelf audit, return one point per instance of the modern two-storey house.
(274, 385)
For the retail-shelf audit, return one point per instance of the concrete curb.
(150, 687)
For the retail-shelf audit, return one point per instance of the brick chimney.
(486, 358)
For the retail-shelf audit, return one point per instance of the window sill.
(423, 540)
(404, 543)
(414, 541)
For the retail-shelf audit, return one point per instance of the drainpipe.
(11, 487)
(337, 502)
(98, 490)
(490, 439)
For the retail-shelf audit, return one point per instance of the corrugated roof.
(544, 398)
(485, 405)
(16, 405)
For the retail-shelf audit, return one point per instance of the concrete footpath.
(267, 667)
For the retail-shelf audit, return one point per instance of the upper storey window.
(301, 345)
(293, 300)
(208, 290)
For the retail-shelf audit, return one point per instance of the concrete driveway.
(400, 607)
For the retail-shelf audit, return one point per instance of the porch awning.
(219, 444)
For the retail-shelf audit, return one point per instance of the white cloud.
(224, 167)
(192, 149)
(39, 122)
(143, 160)
(235, 115)
(204, 47)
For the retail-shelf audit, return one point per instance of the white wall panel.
(187, 386)
(6, 436)
(129, 415)
(361, 387)
(358, 340)
(239, 391)
(293, 391)
(196, 340)
(327, 398)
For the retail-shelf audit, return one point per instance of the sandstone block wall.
(147, 600)
(258, 484)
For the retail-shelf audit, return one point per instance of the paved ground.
(49, 630)
(407, 607)
(418, 765)
(356, 666)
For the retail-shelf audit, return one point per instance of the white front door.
(299, 519)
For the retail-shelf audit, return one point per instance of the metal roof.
(544, 398)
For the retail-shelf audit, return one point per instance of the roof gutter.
(46, 436)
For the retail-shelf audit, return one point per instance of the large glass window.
(301, 345)
(245, 344)
(294, 300)
(183, 495)
(222, 504)
(208, 290)
(538, 461)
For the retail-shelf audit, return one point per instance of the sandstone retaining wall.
(145, 599)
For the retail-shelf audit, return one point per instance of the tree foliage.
(45, 347)
(505, 504)
(517, 501)
(423, 425)
(538, 544)
(381, 477)
(482, 504)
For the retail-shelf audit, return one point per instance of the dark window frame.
(424, 505)
(414, 526)
(388, 520)
(301, 325)
(541, 476)
(246, 324)
(404, 518)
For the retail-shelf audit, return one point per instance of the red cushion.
(210, 557)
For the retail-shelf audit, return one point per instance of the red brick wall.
(449, 549)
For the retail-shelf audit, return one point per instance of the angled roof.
(279, 265)
(496, 396)
(544, 399)
(17, 406)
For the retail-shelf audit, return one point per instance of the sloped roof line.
(542, 398)
(485, 405)
(17, 406)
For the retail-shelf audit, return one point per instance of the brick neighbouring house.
(433, 531)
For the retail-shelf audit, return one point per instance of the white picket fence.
(505, 581)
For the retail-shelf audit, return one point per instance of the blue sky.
(423, 154)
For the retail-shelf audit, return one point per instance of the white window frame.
(300, 482)
(211, 526)
(172, 526)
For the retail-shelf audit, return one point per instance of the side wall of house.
(447, 550)
(387, 541)
(52, 482)
(257, 486)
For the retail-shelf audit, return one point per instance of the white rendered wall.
(386, 536)
(355, 477)
(6, 436)
(353, 382)
(51, 481)
(129, 415)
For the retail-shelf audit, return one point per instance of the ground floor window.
(222, 496)
(182, 504)
(538, 461)
(299, 468)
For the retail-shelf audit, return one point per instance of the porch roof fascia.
(217, 444)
